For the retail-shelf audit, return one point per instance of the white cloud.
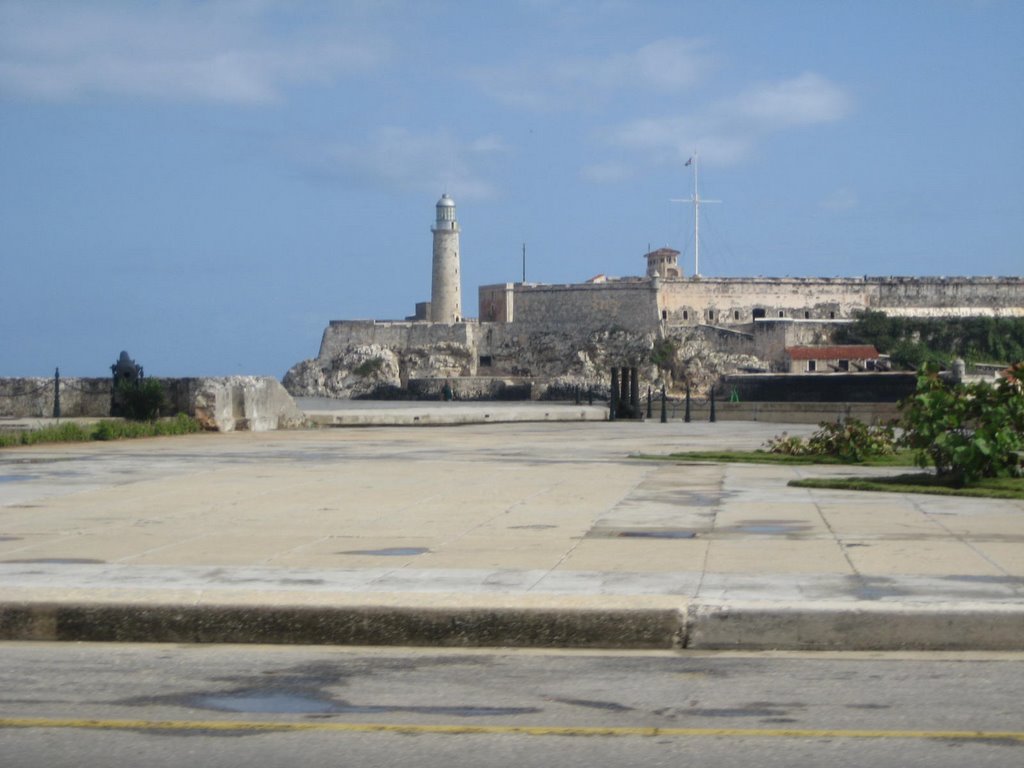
(665, 65)
(804, 100)
(726, 131)
(398, 159)
(231, 52)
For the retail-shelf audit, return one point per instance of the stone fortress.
(548, 341)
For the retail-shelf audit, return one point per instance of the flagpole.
(695, 199)
(696, 219)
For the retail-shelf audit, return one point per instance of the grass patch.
(71, 432)
(899, 459)
(921, 482)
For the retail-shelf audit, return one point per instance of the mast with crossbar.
(696, 200)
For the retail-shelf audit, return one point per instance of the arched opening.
(758, 313)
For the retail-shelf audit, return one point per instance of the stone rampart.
(947, 296)
(34, 397)
(226, 404)
(742, 300)
(630, 305)
(342, 335)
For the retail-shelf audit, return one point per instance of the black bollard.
(648, 401)
(686, 417)
(664, 411)
(635, 412)
(613, 398)
(712, 417)
(56, 393)
(590, 395)
(577, 391)
(624, 392)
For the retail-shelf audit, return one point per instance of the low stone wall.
(473, 388)
(33, 397)
(781, 413)
(819, 387)
(255, 403)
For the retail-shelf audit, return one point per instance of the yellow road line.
(501, 730)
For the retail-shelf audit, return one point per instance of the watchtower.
(445, 292)
(663, 262)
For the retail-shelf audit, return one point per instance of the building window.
(807, 315)
(711, 314)
(831, 315)
(486, 361)
(686, 315)
(736, 314)
(812, 366)
(844, 365)
(758, 313)
(781, 313)
(664, 314)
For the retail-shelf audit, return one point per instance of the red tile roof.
(838, 352)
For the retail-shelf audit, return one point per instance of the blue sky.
(207, 184)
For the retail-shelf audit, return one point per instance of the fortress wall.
(733, 300)
(629, 305)
(946, 296)
(496, 303)
(341, 335)
(32, 397)
(772, 336)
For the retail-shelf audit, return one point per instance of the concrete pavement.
(516, 533)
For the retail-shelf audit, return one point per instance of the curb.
(355, 625)
(753, 626)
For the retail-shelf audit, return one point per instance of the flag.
(688, 162)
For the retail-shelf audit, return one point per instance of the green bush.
(103, 430)
(913, 342)
(787, 444)
(967, 431)
(851, 440)
(140, 400)
(369, 367)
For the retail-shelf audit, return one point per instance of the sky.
(207, 184)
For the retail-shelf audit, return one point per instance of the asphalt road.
(165, 705)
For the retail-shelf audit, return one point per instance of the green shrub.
(787, 444)
(369, 367)
(851, 440)
(912, 342)
(663, 353)
(103, 430)
(967, 431)
(140, 400)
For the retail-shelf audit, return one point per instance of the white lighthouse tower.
(445, 292)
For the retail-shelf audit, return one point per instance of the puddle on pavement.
(771, 527)
(654, 534)
(14, 478)
(274, 702)
(387, 552)
(10, 538)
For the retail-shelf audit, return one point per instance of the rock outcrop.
(235, 403)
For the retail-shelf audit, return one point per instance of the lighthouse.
(445, 293)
